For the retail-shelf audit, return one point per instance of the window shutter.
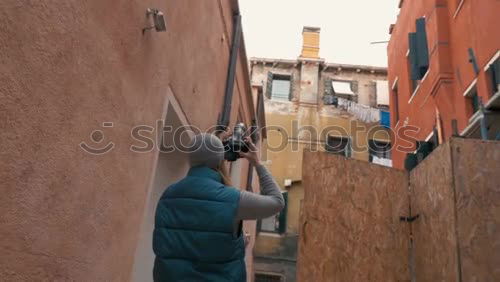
(410, 161)
(414, 71)
(282, 217)
(355, 86)
(435, 138)
(328, 86)
(422, 47)
(290, 96)
(475, 102)
(269, 85)
(495, 75)
(259, 225)
(328, 97)
(496, 67)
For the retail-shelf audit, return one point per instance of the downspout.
(224, 117)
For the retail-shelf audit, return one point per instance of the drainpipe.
(225, 116)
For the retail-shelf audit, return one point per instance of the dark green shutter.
(411, 161)
(422, 47)
(283, 213)
(496, 67)
(259, 225)
(269, 85)
(414, 71)
(348, 148)
(328, 87)
(473, 61)
(435, 138)
(495, 75)
(290, 96)
(475, 102)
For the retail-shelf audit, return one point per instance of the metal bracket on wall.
(158, 20)
(409, 218)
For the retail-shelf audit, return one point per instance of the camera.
(235, 144)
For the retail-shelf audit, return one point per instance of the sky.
(273, 28)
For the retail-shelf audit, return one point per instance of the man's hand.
(224, 135)
(253, 153)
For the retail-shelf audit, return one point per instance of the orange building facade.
(444, 66)
(78, 81)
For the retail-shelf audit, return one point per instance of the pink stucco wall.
(65, 68)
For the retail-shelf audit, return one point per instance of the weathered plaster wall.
(309, 82)
(66, 68)
(350, 228)
(285, 142)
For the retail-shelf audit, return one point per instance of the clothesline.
(361, 112)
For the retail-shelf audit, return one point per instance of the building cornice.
(325, 65)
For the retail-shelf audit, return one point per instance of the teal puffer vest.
(193, 239)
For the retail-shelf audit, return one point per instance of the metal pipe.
(225, 116)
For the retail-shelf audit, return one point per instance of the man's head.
(206, 150)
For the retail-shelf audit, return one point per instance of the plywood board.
(350, 228)
(476, 166)
(432, 198)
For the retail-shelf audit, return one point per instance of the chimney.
(310, 42)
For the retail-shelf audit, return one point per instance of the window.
(493, 73)
(265, 277)
(276, 223)
(379, 149)
(382, 92)
(279, 87)
(344, 89)
(338, 145)
(339, 88)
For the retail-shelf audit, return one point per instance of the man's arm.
(269, 203)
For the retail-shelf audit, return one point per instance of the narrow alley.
(259, 141)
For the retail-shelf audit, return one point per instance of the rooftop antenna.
(379, 42)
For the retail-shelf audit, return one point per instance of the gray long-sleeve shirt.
(268, 203)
